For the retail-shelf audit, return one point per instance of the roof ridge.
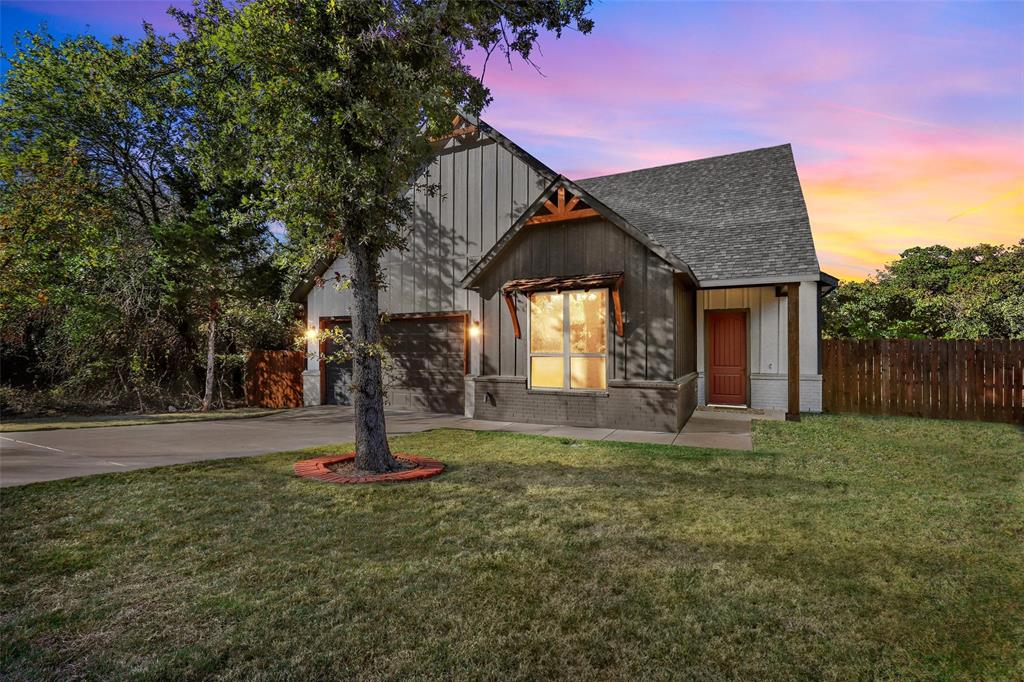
(683, 163)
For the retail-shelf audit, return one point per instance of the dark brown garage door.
(427, 370)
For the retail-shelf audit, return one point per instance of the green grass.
(52, 423)
(842, 548)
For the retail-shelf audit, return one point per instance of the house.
(622, 301)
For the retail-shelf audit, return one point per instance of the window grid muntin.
(566, 353)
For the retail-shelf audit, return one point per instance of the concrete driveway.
(34, 456)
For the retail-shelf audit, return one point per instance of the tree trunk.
(372, 451)
(211, 342)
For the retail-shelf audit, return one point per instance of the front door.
(727, 358)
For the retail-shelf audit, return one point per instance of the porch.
(750, 334)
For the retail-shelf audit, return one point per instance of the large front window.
(569, 339)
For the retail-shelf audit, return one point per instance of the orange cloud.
(868, 206)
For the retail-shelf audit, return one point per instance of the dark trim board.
(793, 362)
(335, 319)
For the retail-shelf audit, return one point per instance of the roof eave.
(678, 264)
(301, 292)
(485, 127)
(761, 280)
(828, 283)
(470, 279)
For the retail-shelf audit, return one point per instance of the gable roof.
(301, 291)
(678, 264)
(735, 217)
(531, 160)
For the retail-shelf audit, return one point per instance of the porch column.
(793, 339)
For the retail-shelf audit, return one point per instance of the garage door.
(428, 366)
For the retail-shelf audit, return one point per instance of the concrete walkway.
(707, 428)
(35, 456)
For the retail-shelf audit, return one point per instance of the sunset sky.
(907, 120)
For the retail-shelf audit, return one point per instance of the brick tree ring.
(319, 469)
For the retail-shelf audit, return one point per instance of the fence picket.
(274, 378)
(951, 379)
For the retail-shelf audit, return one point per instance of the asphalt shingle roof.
(729, 217)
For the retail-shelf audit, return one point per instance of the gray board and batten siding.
(645, 352)
(482, 188)
(482, 184)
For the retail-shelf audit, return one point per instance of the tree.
(334, 107)
(212, 252)
(935, 292)
(99, 114)
(109, 243)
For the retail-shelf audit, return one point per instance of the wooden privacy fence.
(273, 378)
(982, 380)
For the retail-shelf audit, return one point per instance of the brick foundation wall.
(687, 400)
(771, 392)
(637, 405)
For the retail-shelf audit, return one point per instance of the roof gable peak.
(568, 197)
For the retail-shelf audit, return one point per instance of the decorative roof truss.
(611, 280)
(561, 205)
(460, 128)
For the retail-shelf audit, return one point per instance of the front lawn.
(842, 548)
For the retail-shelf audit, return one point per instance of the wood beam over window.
(609, 280)
(617, 304)
(561, 205)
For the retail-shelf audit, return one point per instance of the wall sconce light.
(311, 334)
(474, 330)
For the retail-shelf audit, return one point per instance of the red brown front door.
(727, 358)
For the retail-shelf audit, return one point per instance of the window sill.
(579, 392)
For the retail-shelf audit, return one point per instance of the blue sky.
(906, 119)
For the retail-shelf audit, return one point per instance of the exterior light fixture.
(311, 334)
(474, 330)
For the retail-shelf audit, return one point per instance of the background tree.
(935, 292)
(112, 255)
(211, 253)
(334, 108)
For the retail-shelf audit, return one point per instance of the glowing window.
(569, 340)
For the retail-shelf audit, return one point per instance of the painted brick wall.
(642, 406)
(771, 392)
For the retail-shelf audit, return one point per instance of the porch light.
(311, 334)
(474, 330)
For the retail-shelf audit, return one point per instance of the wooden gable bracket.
(617, 304)
(611, 280)
(460, 128)
(511, 303)
(562, 206)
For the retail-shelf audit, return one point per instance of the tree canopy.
(332, 106)
(139, 179)
(113, 254)
(935, 292)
